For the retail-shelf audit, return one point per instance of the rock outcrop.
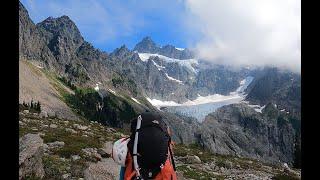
(104, 169)
(278, 87)
(30, 156)
(239, 130)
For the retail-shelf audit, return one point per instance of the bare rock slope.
(35, 85)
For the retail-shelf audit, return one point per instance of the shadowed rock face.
(31, 45)
(239, 130)
(61, 36)
(278, 87)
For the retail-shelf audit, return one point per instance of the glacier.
(203, 105)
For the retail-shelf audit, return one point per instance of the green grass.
(285, 177)
(192, 149)
(78, 167)
(55, 167)
(196, 174)
(73, 143)
(32, 177)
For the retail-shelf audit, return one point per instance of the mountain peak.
(121, 52)
(62, 26)
(147, 39)
(62, 20)
(65, 17)
(146, 45)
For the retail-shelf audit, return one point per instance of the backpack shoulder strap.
(129, 171)
(171, 154)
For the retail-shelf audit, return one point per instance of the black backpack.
(153, 144)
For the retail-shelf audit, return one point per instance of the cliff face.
(31, 45)
(279, 87)
(239, 130)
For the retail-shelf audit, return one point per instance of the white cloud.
(248, 32)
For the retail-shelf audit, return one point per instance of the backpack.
(154, 154)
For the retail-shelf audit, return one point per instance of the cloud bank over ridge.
(248, 32)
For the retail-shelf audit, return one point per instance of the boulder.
(30, 156)
(92, 153)
(228, 164)
(75, 157)
(193, 159)
(44, 114)
(53, 126)
(80, 127)
(56, 144)
(105, 169)
(72, 131)
(108, 147)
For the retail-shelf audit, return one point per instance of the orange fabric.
(166, 173)
(129, 172)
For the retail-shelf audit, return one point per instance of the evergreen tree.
(31, 104)
(38, 107)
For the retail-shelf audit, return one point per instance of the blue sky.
(109, 24)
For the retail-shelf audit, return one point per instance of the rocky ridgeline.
(52, 148)
(58, 46)
(239, 130)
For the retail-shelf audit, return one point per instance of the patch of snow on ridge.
(259, 109)
(144, 56)
(244, 84)
(158, 103)
(185, 62)
(173, 79)
(256, 107)
(180, 49)
(135, 100)
(158, 66)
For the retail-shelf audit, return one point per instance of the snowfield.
(180, 49)
(204, 105)
(189, 63)
(173, 79)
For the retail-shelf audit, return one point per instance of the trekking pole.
(135, 148)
